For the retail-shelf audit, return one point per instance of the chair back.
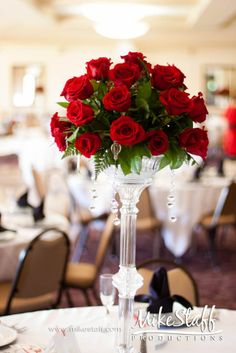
(41, 268)
(104, 242)
(230, 201)
(226, 204)
(39, 183)
(180, 280)
(145, 205)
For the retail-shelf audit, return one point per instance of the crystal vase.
(128, 280)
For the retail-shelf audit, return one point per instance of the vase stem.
(127, 280)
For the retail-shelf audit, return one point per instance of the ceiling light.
(124, 30)
(120, 20)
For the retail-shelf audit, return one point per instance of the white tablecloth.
(192, 201)
(25, 232)
(42, 326)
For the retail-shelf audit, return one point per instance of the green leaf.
(102, 90)
(164, 162)
(125, 166)
(95, 85)
(72, 137)
(70, 151)
(136, 164)
(142, 104)
(63, 104)
(130, 158)
(144, 90)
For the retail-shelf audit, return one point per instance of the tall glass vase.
(127, 280)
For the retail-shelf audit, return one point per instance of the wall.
(62, 63)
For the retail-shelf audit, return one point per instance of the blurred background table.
(192, 201)
(11, 243)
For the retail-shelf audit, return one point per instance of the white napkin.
(63, 341)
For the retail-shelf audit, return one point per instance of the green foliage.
(102, 160)
(73, 136)
(70, 151)
(175, 155)
(63, 104)
(130, 158)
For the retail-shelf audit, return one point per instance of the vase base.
(125, 349)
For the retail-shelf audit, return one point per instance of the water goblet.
(107, 291)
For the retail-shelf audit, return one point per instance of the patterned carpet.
(216, 285)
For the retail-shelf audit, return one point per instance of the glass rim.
(106, 275)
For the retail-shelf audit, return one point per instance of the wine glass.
(107, 291)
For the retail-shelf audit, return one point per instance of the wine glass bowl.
(107, 291)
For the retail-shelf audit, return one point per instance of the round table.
(11, 243)
(192, 201)
(88, 329)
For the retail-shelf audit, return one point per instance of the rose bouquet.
(144, 110)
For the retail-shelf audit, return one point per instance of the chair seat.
(148, 223)
(22, 305)
(80, 275)
(222, 220)
(86, 217)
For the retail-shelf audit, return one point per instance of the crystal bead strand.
(115, 149)
(94, 195)
(171, 198)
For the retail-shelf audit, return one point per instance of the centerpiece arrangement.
(133, 119)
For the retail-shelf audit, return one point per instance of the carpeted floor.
(217, 286)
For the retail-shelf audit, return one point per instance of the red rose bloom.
(134, 57)
(79, 113)
(118, 99)
(60, 130)
(199, 111)
(57, 123)
(60, 139)
(98, 69)
(125, 74)
(194, 141)
(88, 144)
(77, 88)
(126, 131)
(176, 102)
(164, 77)
(158, 142)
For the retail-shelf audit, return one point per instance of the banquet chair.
(223, 215)
(180, 279)
(83, 275)
(39, 277)
(39, 183)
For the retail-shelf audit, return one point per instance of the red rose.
(119, 99)
(164, 77)
(176, 102)
(77, 88)
(158, 142)
(60, 139)
(79, 113)
(98, 69)
(195, 141)
(125, 74)
(126, 131)
(60, 130)
(88, 144)
(199, 111)
(135, 57)
(57, 123)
